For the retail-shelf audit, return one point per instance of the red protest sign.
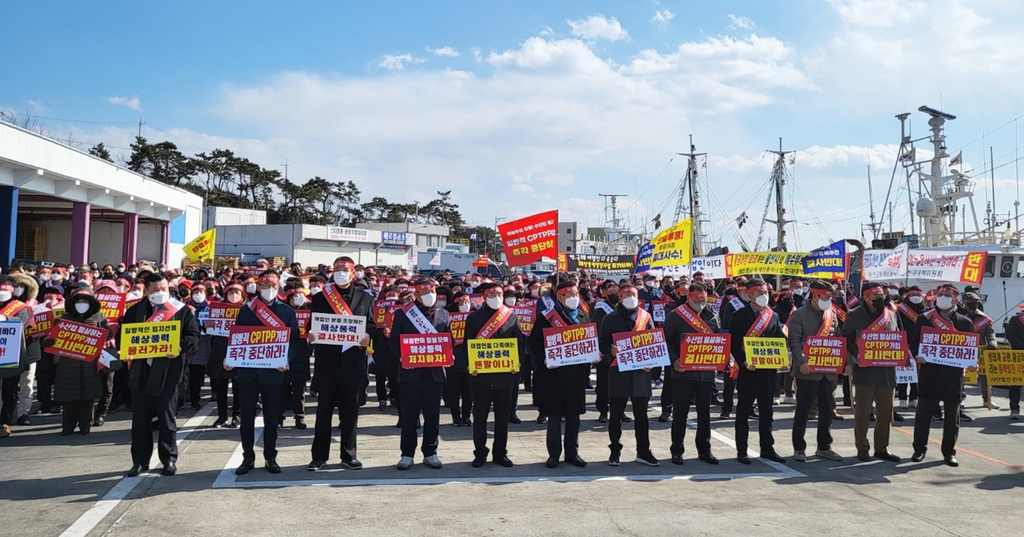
(882, 349)
(529, 239)
(638, 350)
(704, 352)
(526, 314)
(111, 305)
(303, 317)
(76, 340)
(44, 320)
(457, 321)
(381, 311)
(825, 354)
(571, 345)
(427, 350)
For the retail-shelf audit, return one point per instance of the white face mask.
(428, 299)
(199, 298)
(18, 291)
(44, 277)
(572, 302)
(630, 302)
(268, 294)
(299, 300)
(57, 278)
(234, 297)
(698, 306)
(533, 293)
(159, 297)
(761, 301)
(134, 294)
(250, 288)
(314, 290)
(510, 301)
(494, 302)
(916, 299)
(359, 274)
(442, 303)
(5, 296)
(81, 307)
(944, 302)
(465, 306)
(342, 277)
(824, 305)
(655, 284)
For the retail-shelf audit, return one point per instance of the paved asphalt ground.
(52, 485)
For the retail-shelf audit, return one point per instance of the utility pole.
(497, 234)
(779, 179)
(692, 185)
(141, 123)
(285, 165)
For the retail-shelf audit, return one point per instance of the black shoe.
(220, 423)
(467, 423)
(708, 458)
(648, 459)
(514, 419)
(196, 406)
(602, 418)
(918, 456)
(951, 461)
(503, 461)
(963, 417)
(300, 424)
(273, 467)
(886, 456)
(723, 416)
(314, 466)
(743, 459)
(353, 464)
(25, 421)
(863, 456)
(937, 416)
(773, 456)
(754, 415)
(677, 460)
(248, 463)
(235, 422)
(155, 425)
(98, 422)
(137, 469)
(169, 469)
(665, 416)
(837, 416)
(872, 418)
(613, 459)
(626, 419)
(576, 461)
(896, 416)
(541, 419)
(552, 462)
(478, 462)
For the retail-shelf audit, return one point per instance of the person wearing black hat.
(494, 320)
(421, 387)
(561, 391)
(983, 326)
(53, 298)
(910, 308)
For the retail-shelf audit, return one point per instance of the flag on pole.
(201, 248)
(957, 159)
(436, 260)
(673, 246)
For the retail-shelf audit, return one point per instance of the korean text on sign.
(571, 345)
(1004, 367)
(639, 350)
(496, 355)
(458, 323)
(766, 352)
(335, 329)
(257, 347)
(882, 349)
(526, 314)
(427, 350)
(955, 349)
(10, 343)
(825, 354)
(150, 340)
(77, 341)
(221, 318)
(704, 352)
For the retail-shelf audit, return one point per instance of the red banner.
(825, 354)
(303, 317)
(529, 239)
(380, 311)
(705, 352)
(882, 349)
(457, 321)
(77, 341)
(526, 314)
(44, 319)
(111, 305)
(427, 350)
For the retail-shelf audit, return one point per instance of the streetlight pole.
(496, 233)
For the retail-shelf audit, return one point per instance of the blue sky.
(521, 107)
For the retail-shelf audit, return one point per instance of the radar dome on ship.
(926, 208)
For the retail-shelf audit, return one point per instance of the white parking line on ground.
(124, 487)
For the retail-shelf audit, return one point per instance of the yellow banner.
(150, 340)
(493, 355)
(766, 352)
(1003, 367)
(201, 248)
(782, 263)
(673, 246)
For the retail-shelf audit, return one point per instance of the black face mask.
(972, 305)
(878, 303)
(613, 299)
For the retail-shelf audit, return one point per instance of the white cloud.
(661, 18)
(445, 51)
(742, 23)
(398, 62)
(598, 26)
(132, 102)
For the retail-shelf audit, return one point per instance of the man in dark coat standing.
(154, 382)
(262, 384)
(422, 387)
(755, 320)
(340, 369)
(939, 383)
(561, 391)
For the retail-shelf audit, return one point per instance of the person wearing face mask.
(755, 320)
(77, 383)
(629, 386)
(46, 369)
(384, 363)
(492, 320)
(815, 319)
(316, 285)
(873, 386)
(459, 397)
(221, 378)
(910, 308)
(939, 383)
(983, 326)
(257, 385)
(733, 301)
(650, 292)
(609, 292)
(200, 358)
(341, 370)
(561, 392)
(511, 300)
(421, 388)
(691, 316)
(10, 377)
(251, 289)
(154, 382)
(25, 290)
(293, 389)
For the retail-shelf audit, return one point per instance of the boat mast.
(779, 180)
(692, 184)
